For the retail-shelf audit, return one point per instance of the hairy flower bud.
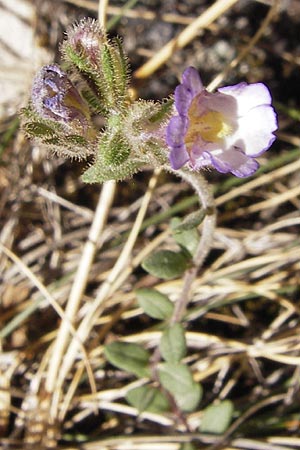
(86, 39)
(55, 97)
(100, 62)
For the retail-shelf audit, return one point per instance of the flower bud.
(55, 97)
(86, 39)
(100, 62)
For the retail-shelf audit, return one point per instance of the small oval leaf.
(155, 304)
(216, 418)
(166, 264)
(147, 398)
(129, 357)
(172, 344)
(191, 221)
(188, 239)
(178, 380)
(189, 400)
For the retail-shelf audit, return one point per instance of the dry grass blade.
(102, 12)
(133, 13)
(269, 17)
(79, 284)
(260, 181)
(65, 319)
(106, 288)
(187, 35)
(80, 281)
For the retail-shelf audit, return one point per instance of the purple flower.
(226, 129)
(55, 97)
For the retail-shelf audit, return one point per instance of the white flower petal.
(248, 96)
(226, 129)
(255, 130)
(225, 104)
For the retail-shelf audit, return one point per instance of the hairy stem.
(204, 192)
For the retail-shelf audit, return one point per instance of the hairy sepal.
(99, 172)
(60, 139)
(99, 61)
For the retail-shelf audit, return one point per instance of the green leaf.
(76, 58)
(94, 101)
(172, 344)
(166, 264)
(155, 304)
(108, 67)
(156, 150)
(191, 221)
(178, 380)
(187, 239)
(113, 73)
(129, 357)
(53, 141)
(147, 398)
(216, 418)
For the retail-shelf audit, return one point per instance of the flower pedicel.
(227, 129)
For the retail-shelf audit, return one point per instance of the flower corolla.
(55, 97)
(227, 129)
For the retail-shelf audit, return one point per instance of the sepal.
(99, 172)
(100, 62)
(114, 150)
(58, 139)
(144, 125)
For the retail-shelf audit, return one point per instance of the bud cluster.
(66, 105)
(99, 62)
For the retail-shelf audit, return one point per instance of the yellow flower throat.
(210, 126)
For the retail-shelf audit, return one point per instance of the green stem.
(205, 195)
